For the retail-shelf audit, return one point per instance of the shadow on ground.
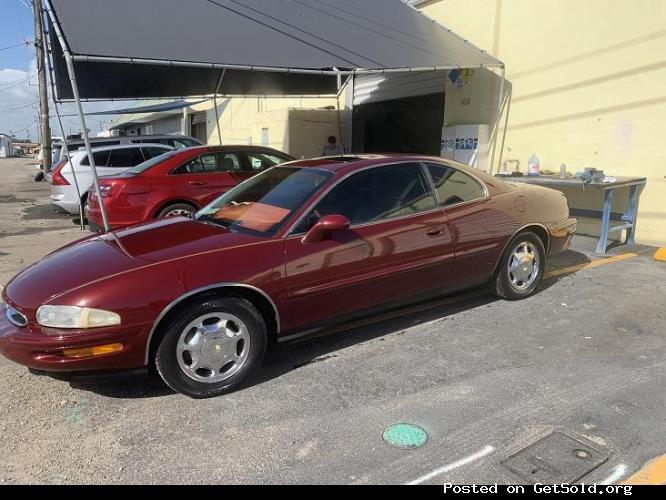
(284, 358)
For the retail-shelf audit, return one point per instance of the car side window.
(376, 194)
(220, 162)
(101, 159)
(194, 166)
(454, 186)
(127, 157)
(264, 161)
(152, 152)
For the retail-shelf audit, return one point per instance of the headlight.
(75, 317)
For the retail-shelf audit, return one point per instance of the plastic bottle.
(533, 165)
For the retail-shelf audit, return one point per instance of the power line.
(24, 129)
(14, 84)
(25, 43)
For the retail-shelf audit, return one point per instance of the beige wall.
(243, 118)
(589, 85)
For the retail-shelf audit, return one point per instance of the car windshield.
(264, 202)
(142, 167)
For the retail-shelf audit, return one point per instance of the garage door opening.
(408, 125)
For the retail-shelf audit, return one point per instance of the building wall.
(589, 86)
(243, 119)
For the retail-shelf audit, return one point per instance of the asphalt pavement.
(578, 370)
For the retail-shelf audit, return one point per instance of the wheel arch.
(161, 206)
(534, 227)
(257, 297)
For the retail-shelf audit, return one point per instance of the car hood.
(98, 258)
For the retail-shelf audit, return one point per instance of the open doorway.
(407, 125)
(198, 127)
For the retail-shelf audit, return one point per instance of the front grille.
(16, 318)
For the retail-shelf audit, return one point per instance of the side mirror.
(326, 225)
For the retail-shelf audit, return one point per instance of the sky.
(18, 80)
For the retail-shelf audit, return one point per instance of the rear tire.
(212, 348)
(520, 268)
(176, 210)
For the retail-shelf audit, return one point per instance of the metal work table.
(628, 218)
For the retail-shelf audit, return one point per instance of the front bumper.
(30, 347)
(561, 235)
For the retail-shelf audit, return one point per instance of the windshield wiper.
(207, 219)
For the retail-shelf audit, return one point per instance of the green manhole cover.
(405, 436)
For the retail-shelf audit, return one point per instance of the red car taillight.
(109, 190)
(56, 176)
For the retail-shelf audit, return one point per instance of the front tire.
(212, 348)
(521, 267)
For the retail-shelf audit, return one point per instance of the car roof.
(345, 163)
(232, 147)
(342, 165)
(142, 138)
(125, 146)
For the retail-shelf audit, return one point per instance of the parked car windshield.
(264, 202)
(142, 167)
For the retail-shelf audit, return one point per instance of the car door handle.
(436, 232)
(196, 183)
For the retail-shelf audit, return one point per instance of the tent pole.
(65, 151)
(500, 105)
(86, 139)
(217, 113)
(506, 125)
(77, 98)
(65, 148)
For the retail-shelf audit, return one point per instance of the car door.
(209, 175)
(478, 225)
(398, 245)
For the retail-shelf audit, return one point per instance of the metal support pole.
(506, 125)
(84, 128)
(500, 102)
(65, 148)
(217, 113)
(605, 222)
(632, 214)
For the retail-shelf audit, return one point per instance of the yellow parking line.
(652, 473)
(588, 265)
(661, 254)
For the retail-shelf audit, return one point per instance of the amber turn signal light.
(89, 352)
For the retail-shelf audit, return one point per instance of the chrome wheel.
(523, 266)
(213, 347)
(177, 212)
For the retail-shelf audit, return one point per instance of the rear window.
(152, 162)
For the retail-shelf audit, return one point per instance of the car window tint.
(454, 186)
(101, 159)
(191, 167)
(182, 143)
(126, 157)
(149, 152)
(220, 162)
(263, 161)
(378, 194)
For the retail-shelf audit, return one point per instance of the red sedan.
(292, 251)
(177, 183)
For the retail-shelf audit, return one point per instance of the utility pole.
(43, 92)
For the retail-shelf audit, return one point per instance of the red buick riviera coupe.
(177, 183)
(291, 251)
